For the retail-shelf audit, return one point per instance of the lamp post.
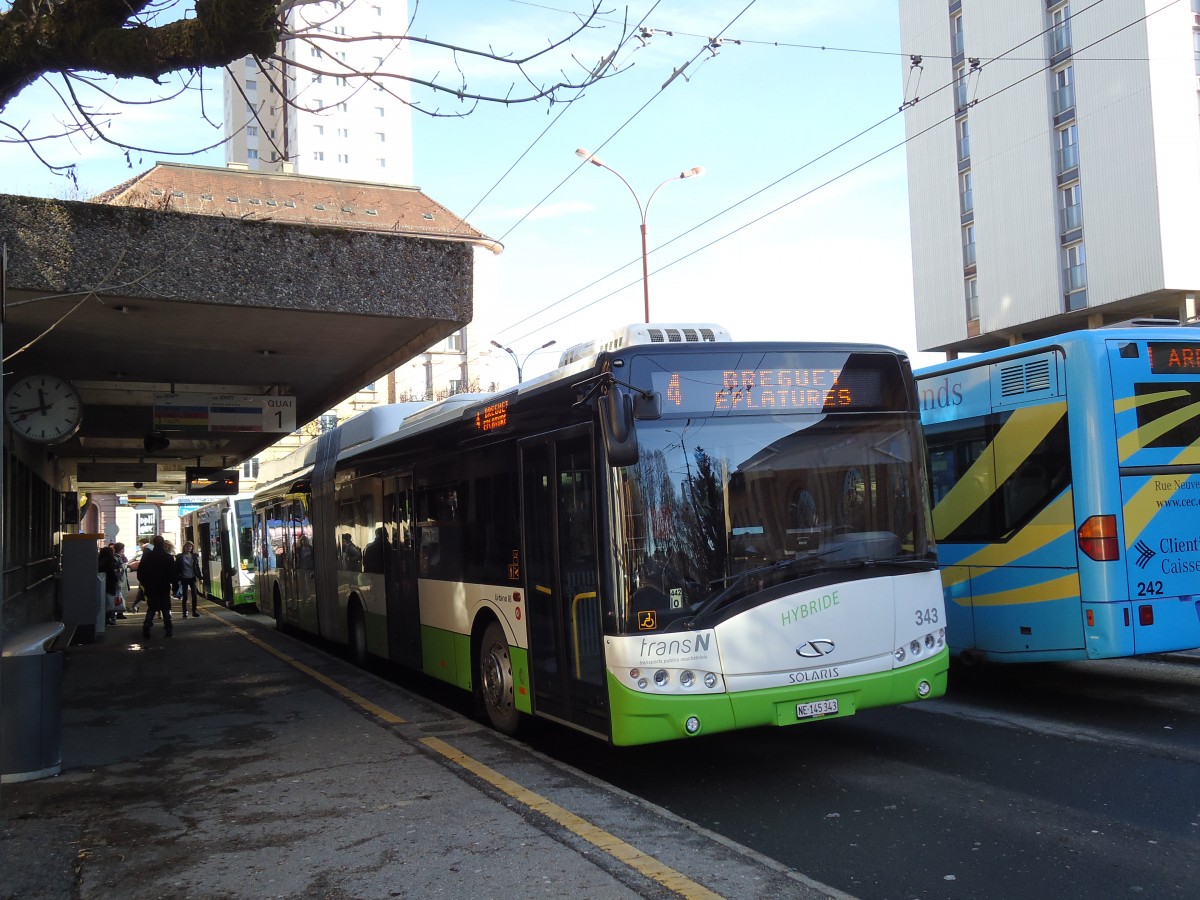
(643, 211)
(521, 362)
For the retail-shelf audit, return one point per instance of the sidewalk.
(232, 761)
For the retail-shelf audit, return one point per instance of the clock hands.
(42, 408)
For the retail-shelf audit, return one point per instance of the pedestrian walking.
(156, 575)
(108, 566)
(122, 579)
(187, 573)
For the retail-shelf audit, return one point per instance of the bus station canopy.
(191, 297)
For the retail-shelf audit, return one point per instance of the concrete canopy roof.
(130, 302)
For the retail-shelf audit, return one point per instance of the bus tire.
(356, 634)
(496, 686)
(277, 607)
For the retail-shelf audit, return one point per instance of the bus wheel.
(357, 634)
(277, 607)
(496, 680)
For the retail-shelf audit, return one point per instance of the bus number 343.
(927, 617)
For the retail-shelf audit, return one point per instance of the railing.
(1068, 156)
(1060, 37)
(1064, 98)
(1072, 217)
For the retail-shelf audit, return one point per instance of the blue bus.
(1065, 479)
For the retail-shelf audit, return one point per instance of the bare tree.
(73, 44)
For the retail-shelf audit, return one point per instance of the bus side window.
(952, 454)
(1039, 478)
(439, 531)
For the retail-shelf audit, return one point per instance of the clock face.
(43, 408)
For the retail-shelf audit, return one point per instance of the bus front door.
(300, 587)
(566, 643)
(226, 568)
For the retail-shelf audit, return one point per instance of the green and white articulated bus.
(671, 535)
(221, 533)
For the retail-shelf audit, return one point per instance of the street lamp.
(643, 211)
(521, 362)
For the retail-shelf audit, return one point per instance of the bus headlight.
(669, 681)
(692, 725)
(928, 643)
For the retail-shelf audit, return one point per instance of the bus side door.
(399, 559)
(566, 642)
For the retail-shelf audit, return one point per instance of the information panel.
(1174, 358)
(774, 382)
(202, 482)
(224, 412)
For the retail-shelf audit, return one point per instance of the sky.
(797, 230)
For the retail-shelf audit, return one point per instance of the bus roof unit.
(631, 335)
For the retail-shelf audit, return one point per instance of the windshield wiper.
(718, 599)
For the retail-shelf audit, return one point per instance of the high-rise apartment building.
(1053, 165)
(315, 114)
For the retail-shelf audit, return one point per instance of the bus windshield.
(719, 509)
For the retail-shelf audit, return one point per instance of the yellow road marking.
(357, 699)
(610, 844)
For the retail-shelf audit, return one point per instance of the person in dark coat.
(112, 581)
(156, 575)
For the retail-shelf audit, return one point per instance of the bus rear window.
(1168, 413)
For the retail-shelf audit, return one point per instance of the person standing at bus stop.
(187, 571)
(156, 575)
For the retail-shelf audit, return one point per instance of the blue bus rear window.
(1163, 415)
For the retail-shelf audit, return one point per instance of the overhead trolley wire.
(623, 125)
(832, 180)
(544, 132)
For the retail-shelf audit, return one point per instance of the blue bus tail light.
(1091, 618)
(1145, 615)
(1098, 538)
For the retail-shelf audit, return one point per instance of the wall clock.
(43, 408)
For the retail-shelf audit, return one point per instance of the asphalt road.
(1039, 781)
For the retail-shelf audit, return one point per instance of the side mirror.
(647, 406)
(615, 410)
